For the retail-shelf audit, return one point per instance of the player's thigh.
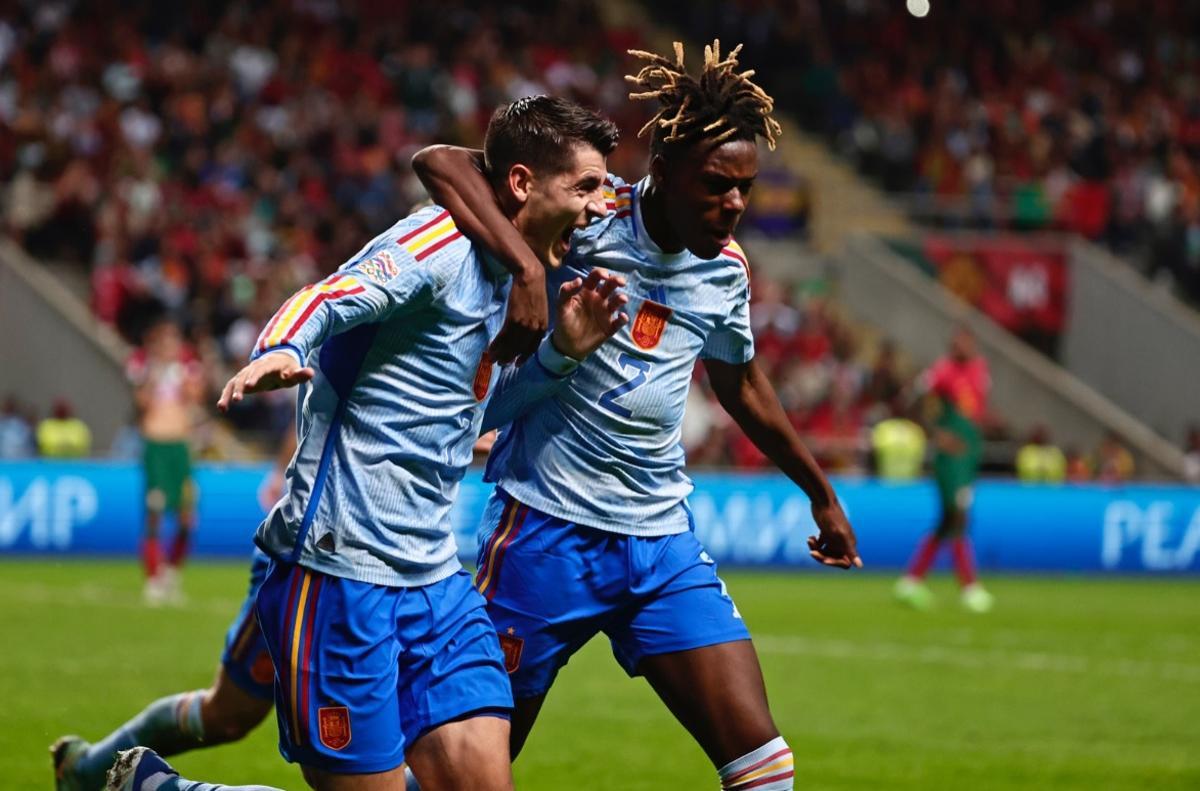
(467, 754)
(716, 692)
(450, 666)
(246, 671)
(676, 602)
(525, 712)
(549, 586)
(957, 494)
(686, 636)
(229, 712)
(333, 645)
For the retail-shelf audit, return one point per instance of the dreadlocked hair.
(719, 104)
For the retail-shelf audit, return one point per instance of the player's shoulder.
(428, 237)
(734, 257)
(429, 233)
(729, 269)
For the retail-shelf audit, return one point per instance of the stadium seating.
(1077, 116)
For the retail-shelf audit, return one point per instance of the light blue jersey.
(398, 339)
(605, 450)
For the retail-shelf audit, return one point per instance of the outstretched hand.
(589, 313)
(526, 321)
(836, 545)
(273, 371)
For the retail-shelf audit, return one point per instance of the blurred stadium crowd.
(1077, 115)
(207, 164)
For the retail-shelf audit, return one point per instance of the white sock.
(769, 768)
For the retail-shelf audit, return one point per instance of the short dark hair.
(540, 132)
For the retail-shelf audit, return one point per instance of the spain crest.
(650, 323)
(483, 376)
(512, 647)
(333, 726)
(262, 671)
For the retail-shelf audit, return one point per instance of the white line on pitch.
(1036, 661)
(92, 595)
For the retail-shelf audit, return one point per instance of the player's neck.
(654, 218)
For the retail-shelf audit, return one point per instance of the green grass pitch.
(1070, 684)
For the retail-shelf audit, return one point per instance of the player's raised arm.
(454, 178)
(389, 280)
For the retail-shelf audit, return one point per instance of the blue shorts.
(246, 659)
(362, 671)
(551, 585)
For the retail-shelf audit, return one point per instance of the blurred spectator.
(1079, 466)
(898, 447)
(1114, 463)
(214, 157)
(1080, 116)
(783, 199)
(1039, 460)
(1191, 456)
(884, 382)
(835, 432)
(16, 433)
(63, 435)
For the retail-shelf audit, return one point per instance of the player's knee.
(766, 768)
(226, 720)
(231, 727)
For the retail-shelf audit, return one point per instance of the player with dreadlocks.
(589, 529)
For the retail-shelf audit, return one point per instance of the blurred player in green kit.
(960, 382)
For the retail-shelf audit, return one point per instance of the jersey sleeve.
(522, 386)
(731, 340)
(380, 281)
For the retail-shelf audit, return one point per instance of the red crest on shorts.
(512, 647)
(333, 725)
(483, 376)
(262, 671)
(650, 324)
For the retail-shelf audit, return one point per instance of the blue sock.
(169, 725)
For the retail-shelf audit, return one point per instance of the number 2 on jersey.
(608, 399)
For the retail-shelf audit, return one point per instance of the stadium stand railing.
(1133, 342)
(53, 347)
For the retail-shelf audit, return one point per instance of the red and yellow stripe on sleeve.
(297, 310)
(734, 250)
(430, 237)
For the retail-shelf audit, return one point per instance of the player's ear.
(520, 182)
(658, 169)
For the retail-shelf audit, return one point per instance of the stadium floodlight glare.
(918, 8)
